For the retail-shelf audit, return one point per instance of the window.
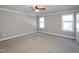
(41, 22)
(77, 22)
(67, 22)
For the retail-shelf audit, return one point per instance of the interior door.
(77, 27)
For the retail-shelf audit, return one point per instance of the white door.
(77, 27)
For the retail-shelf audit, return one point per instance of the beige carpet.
(39, 43)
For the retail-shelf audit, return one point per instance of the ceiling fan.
(37, 8)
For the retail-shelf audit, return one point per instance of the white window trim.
(41, 22)
(77, 21)
(64, 21)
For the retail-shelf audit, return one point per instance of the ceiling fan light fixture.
(37, 10)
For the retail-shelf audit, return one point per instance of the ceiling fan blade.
(42, 8)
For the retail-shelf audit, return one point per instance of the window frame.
(41, 22)
(67, 21)
(77, 21)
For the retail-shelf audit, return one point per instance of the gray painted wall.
(0, 25)
(12, 24)
(37, 22)
(53, 25)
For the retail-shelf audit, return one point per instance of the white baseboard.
(16, 36)
(35, 32)
(59, 35)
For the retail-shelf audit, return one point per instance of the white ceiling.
(49, 8)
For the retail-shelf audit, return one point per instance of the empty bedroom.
(39, 28)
